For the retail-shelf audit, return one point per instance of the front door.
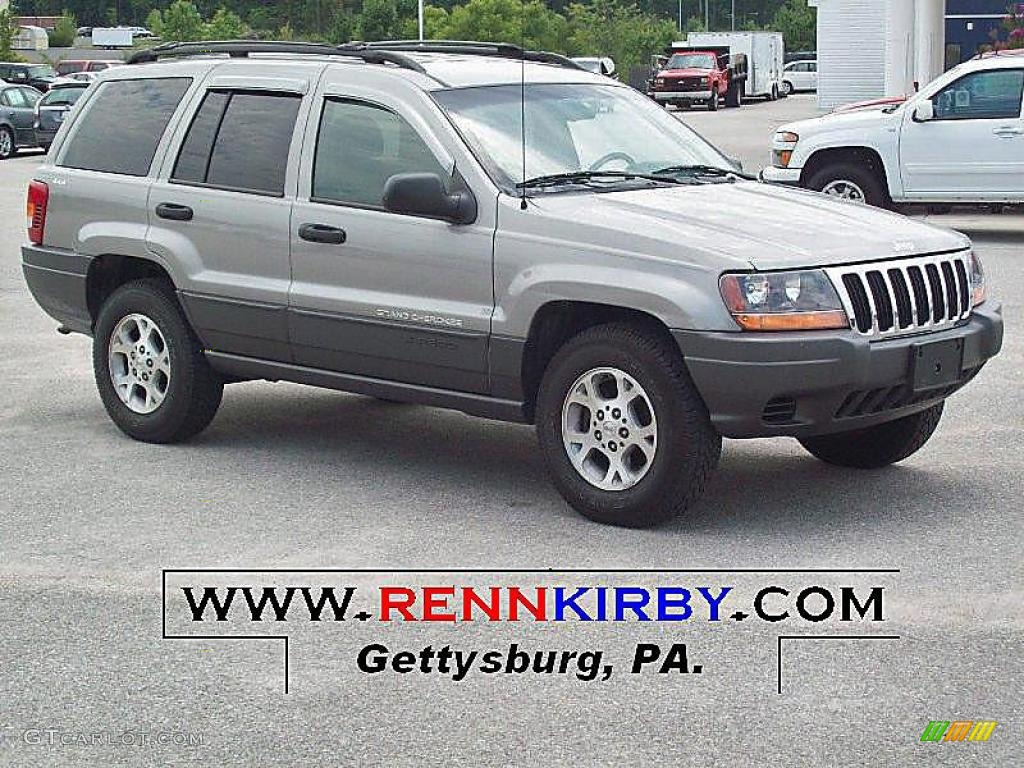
(375, 293)
(973, 148)
(18, 105)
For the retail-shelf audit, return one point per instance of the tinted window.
(14, 97)
(195, 151)
(249, 134)
(122, 125)
(62, 97)
(995, 94)
(360, 147)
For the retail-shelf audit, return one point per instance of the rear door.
(18, 106)
(221, 208)
(974, 147)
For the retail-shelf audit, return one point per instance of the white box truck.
(765, 53)
(111, 37)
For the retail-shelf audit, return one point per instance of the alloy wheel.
(845, 190)
(609, 429)
(139, 363)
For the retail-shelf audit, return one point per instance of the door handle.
(1007, 131)
(174, 212)
(322, 233)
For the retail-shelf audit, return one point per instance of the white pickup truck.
(959, 140)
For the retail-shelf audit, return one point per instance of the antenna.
(522, 96)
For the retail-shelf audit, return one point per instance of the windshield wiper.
(582, 177)
(698, 169)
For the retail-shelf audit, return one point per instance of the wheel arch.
(859, 154)
(557, 321)
(108, 272)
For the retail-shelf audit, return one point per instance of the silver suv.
(371, 218)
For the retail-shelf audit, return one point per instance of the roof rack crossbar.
(242, 48)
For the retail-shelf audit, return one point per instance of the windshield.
(691, 61)
(572, 128)
(62, 97)
(41, 71)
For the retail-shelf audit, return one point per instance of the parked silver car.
(17, 118)
(372, 218)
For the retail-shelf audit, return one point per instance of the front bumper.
(781, 175)
(673, 96)
(817, 382)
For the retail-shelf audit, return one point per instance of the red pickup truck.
(699, 75)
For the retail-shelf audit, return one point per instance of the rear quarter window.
(122, 125)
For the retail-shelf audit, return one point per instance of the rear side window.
(122, 125)
(239, 140)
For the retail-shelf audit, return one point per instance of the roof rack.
(242, 49)
(470, 47)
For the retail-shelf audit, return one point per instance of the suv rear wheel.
(625, 436)
(153, 378)
(877, 446)
(850, 182)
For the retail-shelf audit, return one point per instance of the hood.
(853, 120)
(888, 101)
(675, 74)
(740, 225)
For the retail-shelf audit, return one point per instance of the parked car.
(69, 66)
(633, 296)
(82, 77)
(17, 118)
(799, 76)
(699, 76)
(38, 76)
(959, 140)
(52, 109)
(599, 65)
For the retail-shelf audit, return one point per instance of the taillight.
(38, 197)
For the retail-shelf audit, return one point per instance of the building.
(971, 24)
(868, 49)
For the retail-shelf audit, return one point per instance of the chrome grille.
(892, 298)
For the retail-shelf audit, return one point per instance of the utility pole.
(420, 18)
(733, 15)
(680, 17)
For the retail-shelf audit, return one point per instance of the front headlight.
(787, 137)
(783, 301)
(977, 281)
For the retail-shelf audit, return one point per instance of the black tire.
(787, 89)
(877, 446)
(4, 130)
(713, 102)
(194, 389)
(870, 184)
(732, 96)
(688, 447)
(774, 96)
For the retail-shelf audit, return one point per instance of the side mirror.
(424, 194)
(924, 111)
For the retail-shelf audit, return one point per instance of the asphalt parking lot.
(293, 477)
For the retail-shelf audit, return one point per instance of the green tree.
(63, 33)
(343, 29)
(8, 30)
(379, 20)
(155, 22)
(225, 25)
(798, 24)
(610, 28)
(508, 21)
(182, 22)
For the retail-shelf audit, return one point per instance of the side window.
(31, 96)
(359, 147)
(812, 66)
(15, 97)
(991, 95)
(239, 140)
(123, 124)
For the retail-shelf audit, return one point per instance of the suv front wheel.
(153, 378)
(625, 436)
(877, 446)
(850, 182)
